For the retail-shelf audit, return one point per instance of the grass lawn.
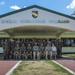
(70, 55)
(39, 68)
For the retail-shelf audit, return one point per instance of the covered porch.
(36, 31)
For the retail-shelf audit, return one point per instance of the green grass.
(70, 55)
(39, 68)
(59, 68)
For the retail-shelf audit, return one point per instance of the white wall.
(42, 15)
(68, 49)
(1, 50)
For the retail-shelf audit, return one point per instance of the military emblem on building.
(35, 14)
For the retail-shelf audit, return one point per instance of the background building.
(38, 22)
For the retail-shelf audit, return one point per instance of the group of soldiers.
(33, 49)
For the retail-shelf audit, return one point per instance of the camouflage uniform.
(27, 42)
(23, 52)
(17, 52)
(18, 42)
(9, 46)
(12, 49)
(42, 51)
(48, 42)
(59, 48)
(44, 43)
(5, 50)
(33, 43)
(39, 42)
(48, 51)
(29, 52)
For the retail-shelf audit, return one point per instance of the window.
(68, 42)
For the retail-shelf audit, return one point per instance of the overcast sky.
(63, 6)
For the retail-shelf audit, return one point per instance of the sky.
(62, 6)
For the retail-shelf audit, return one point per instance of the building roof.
(39, 7)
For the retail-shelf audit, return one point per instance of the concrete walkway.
(67, 62)
(5, 66)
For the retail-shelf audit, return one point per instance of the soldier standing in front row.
(11, 48)
(17, 52)
(23, 52)
(59, 48)
(5, 49)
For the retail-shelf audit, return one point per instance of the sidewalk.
(67, 62)
(5, 66)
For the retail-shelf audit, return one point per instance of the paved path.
(5, 66)
(67, 62)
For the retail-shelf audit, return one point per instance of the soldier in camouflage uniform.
(23, 52)
(55, 42)
(39, 42)
(48, 51)
(59, 48)
(42, 50)
(9, 46)
(17, 52)
(44, 43)
(12, 45)
(33, 42)
(27, 42)
(29, 51)
(18, 42)
(49, 42)
(5, 49)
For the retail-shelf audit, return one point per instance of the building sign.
(8, 21)
(34, 21)
(34, 14)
